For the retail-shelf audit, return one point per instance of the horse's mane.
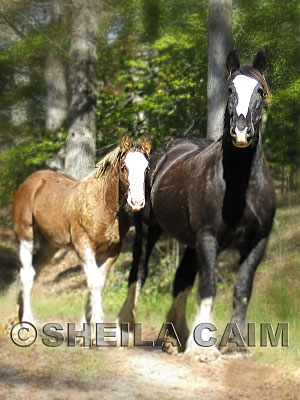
(251, 72)
(101, 167)
(111, 159)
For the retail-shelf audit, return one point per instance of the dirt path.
(64, 373)
(67, 373)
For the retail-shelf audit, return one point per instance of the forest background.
(75, 75)
(101, 69)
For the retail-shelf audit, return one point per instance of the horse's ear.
(260, 62)
(145, 144)
(233, 62)
(125, 143)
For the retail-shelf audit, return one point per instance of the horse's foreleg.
(27, 274)
(243, 288)
(145, 239)
(183, 282)
(96, 278)
(206, 251)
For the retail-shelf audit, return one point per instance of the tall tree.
(82, 87)
(220, 43)
(55, 77)
(55, 81)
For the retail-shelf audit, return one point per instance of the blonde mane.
(101, 167)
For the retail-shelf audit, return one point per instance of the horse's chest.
(108, 235)
(239, 232)
(111, 233)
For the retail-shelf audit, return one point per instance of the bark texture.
(220, 43)
(82, 88)
(55, 77)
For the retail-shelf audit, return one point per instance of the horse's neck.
(241, 164)
(106, 190)
(241, 169)
(112, 191)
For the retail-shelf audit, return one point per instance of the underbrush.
(275, 296)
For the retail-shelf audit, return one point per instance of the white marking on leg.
(177, 315)
(96, 278)
(203, 316)
(128, 311)
(136, 163)
(27, 274)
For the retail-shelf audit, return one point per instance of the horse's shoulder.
(178, 153)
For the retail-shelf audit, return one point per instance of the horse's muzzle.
(136, 205)
(242, 138)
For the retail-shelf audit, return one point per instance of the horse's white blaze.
(27, 274)
(244, 86)
(203, 316)
(136, 163)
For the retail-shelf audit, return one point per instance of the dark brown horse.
(52, 210)
(211, 196)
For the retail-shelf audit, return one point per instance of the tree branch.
(12, 26)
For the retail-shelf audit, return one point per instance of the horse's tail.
(22, 209)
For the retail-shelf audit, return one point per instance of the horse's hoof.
(170, 349)
(125, 326)
(234, 351)
(203, 354)
(3, 329)
(80, 342)
(12, 321)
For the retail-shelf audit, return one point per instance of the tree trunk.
(55, 77)
(56, 100)
(82, 86)
(220, 43)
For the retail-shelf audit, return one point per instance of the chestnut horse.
(211, 196)
(52, 210)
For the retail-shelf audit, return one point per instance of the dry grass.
(275, 295)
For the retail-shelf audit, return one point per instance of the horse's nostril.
(137, 204)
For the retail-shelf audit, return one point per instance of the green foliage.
(23, 159)
(273, 26)
(154, 73)
(156, 80)
(152, 69)
(283, 130)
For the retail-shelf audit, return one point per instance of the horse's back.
(48, 185)
(172, 153)
(172, 173)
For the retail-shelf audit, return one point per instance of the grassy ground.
(275, 295)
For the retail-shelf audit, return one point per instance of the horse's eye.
(230, 107)
(261, 92)
(123, 168)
